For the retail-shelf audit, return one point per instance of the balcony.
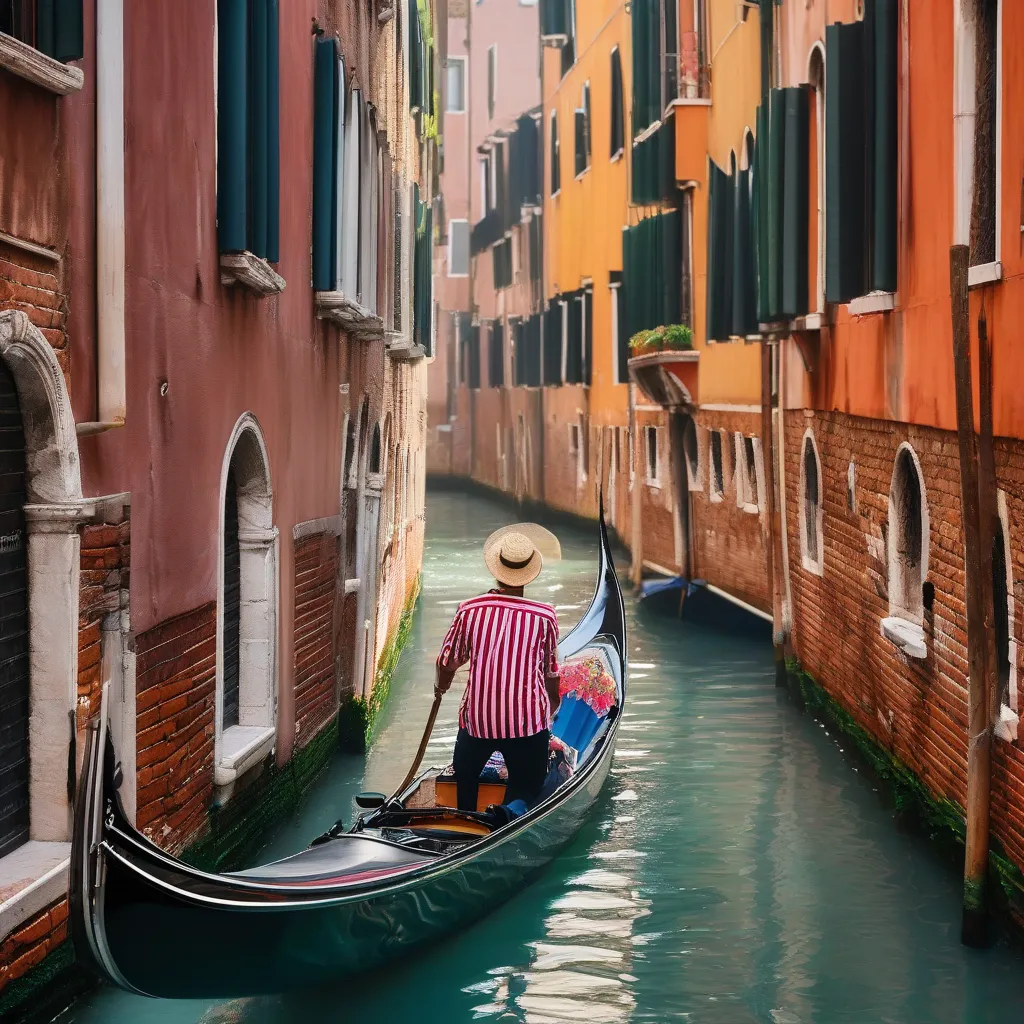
(668, 379)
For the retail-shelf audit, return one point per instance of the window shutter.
(844, 163)
(588, 336)
(474, 358)
(496, 370)
(556, 170)
(619, 298)
(325, 143)
(885, 170)
(796, 165)
(761, 212)
(720, 263)
(552, 344)
(617, 127)
(669, 271)
(743, 314)
(259, 122)
(273, 134)
(776, 169)
(232, 124)
(68, 30)
(766, 15)
(415, 59)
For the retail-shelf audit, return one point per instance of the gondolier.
(511, 645)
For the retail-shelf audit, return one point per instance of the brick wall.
(729, 541)
(29, 944)
(34, 285)
(915, 708)
(105, 563)
(175, 702)
(316, 585)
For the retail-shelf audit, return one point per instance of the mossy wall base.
(941, 820)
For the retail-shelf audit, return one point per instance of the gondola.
(407, 872)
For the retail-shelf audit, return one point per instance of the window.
(652, 270)
(583, 132)
(485, 185)
(569, 48)
(458, 248)
(748, 468)
(496, 355)
(861, 162)
(618, 115)
(977, 109)
(574, 440)
(651, 454)
(692, 451)
(52, 28)
(655, 60)
(583, 462)
(247, 609)
(717, 472)
(631, 452)
(908, 538)
(851, 487)
(248, 170)
(810, 507)
(556, 157)
(492, 79)
(620, 340)
(456, 85)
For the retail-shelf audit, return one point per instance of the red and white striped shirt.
(511, 644)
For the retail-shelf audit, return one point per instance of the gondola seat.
(577, 723)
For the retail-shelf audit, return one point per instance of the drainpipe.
(110, 219)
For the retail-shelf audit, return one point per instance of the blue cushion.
(576, 723)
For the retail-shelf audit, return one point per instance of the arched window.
(374, 463)
(246, 643)
(810, 508)
(556, 157)
(692, 450)
(908, 538)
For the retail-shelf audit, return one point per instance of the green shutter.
(325, 175)
(721, 202)
(68, 30)
(761, 212)
(766, 15)
(885, 169)
(258, 124)
(588, 336)
(646, 19)
(845, 213)
(415, 58)
(743, 314)
(552, 18)
(46, 27)
(273, 134)
(581, 142)
(617, 126)
(776, 170)
(795, 202)
(232, 124)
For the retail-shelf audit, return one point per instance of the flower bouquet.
(589, 682)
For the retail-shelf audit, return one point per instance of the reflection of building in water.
(580, 968)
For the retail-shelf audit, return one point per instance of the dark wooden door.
(14, 663)
(232, 603)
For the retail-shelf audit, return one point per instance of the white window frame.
(451, 223)
(613, 293)
(694, 472)
(652, 473)
(492, 79)
(716, 493)
(812, 565)
(461, 63)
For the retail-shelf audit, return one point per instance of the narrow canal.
(738, 867)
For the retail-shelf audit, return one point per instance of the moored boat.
(409, 870)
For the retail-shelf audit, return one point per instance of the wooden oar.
(431, 718)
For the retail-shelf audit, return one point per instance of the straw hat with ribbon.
(514, 555)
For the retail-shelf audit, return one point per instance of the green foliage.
(674, 338)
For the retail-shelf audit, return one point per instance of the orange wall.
(583, 223)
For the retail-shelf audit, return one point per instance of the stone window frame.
(716, 473)
(815, 565)
(748, 486)
(240, 747)
(652, 469)
(36, 873)
(694, 462)
(904, 625)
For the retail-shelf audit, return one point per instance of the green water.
(738, 868)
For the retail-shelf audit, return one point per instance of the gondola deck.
(401, 876)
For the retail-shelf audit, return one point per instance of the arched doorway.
(246, 699)
(14, 623)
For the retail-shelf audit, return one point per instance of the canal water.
(737, 868)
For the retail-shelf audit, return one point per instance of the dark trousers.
(526, 759)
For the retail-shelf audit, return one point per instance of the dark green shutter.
(776, 170)
(581, 142)
(720, 268)
(761, 212)
(743, 315)
(619, 298)
(258, 124)
(588, 336)
(618, 114)
(232, 124)
(273, 133)
(325, 155)
(766, 15)
(552, 18)
(46, 27)
(846, 216)
(553, 343)
(68, 29)
(795, 202)
(885, 170)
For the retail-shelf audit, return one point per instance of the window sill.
(907, 636)
(242, 748)
(873, 302)
(810, 322)
(352, 586)
(27, 62)
(813, 567)
(348, 314)
(582, 174)
(621, 152)
(715, 497)
(1006, 724)
(751, 509)
(31, 878)
(654, 485)
(984, 273)
(250, 272)
(689, 101)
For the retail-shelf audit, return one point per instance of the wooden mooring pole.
(978, 600)
(771, 533)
